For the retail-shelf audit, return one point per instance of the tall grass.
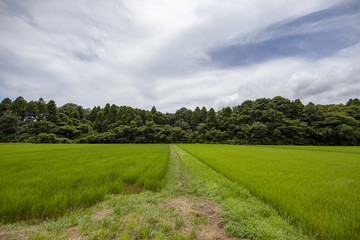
(317, 187)
(47, 180)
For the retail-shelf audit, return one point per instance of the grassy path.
(194, 203)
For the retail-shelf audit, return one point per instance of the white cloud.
(331, 80)
(144, 53)
(225, 101)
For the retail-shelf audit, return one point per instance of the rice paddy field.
(317, 188)
(38, 181)
(266, 192)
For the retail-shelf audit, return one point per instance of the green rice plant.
(38, 181)
(317, 188)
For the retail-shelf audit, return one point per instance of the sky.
(172, 54)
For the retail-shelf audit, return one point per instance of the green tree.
(201, 128)
(64, 119)
(68, 108)
(9, 125)
(226, 112)
(159, 118)
(312, 113)
(259, 133)
(148, 117)
(93, 113)
(99, 124)
(215, 136)
(75, 114)
(18, 107)
(5, 104)
(111, 118)
(138, 121)
(81, 111)
(153, 110)
(211, 120)
(195, 118)
(46, 138)
(183, 114)
(68, 131)
(182, 124)
(40, 109)
(203, 115)
(51, 111)
(30, 112)
(296, 109)
(353, 102)
(178, 134)
(106, 110)
(34, 128)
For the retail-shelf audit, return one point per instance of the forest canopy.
(263, 121)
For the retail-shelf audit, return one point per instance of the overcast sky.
(174, 54)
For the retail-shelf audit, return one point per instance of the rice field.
(39, 181)
(317, 188)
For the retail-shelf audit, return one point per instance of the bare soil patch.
(200, 207)
(73, 234)
(11, 235)
(102, 213)
(15, 235)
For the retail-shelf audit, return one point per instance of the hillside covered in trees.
(263, 121)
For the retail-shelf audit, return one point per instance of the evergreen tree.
(93, 114)
(263, 121)
(148, 117)
(112, 114)
(203, 115)
(18, 107)
(195, 118)
(5, 104)
(75, 114)
(153, 110)
(106, 110)
(40, 109)
(51, 111)
(30, 113)
(211, 120)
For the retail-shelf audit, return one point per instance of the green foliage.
(18, 107)
(68, 108)
(46, 138)
(211, 119)
(195, 118)
(93, 113)
(153, 110)
(30, 112)
(40, 109)
(47, 180)
(5, 104)
(316, 187)
(68, 132)
(51, 111)
(10, 127)
(274, 121)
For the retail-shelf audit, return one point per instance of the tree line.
(263, 121)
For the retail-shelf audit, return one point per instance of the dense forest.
(263, 121)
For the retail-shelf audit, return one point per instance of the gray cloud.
(143, 53)
(316, 35)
